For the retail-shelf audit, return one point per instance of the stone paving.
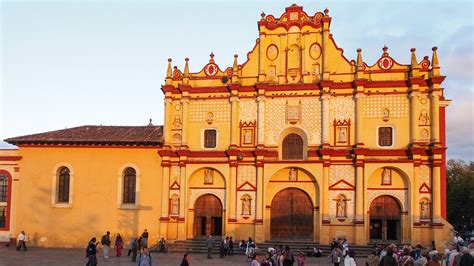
(52, 256)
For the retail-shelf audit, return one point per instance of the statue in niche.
(424, 120)
(341, 207)
(246, 202)
(247, 136)
(342, 134)
(177, 122)
(386, 176)
(210, 117)
(293, 175)
(424, 210)
(208, 176)
(174, 204)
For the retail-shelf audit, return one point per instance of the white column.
(325, 119)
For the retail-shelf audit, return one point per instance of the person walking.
(145, 239)
(91, 252)
(336, 256)
(105, 241)
(226, 246)
(118, 245)
(209, 245)
(185, 261)
(145, 258)
(22, 238)
(135, 249)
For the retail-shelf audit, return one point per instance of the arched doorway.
(291, 215)
(207, 216)
(385, 219)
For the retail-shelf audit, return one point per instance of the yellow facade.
(359, 134)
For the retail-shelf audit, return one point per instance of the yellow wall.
(94, 209)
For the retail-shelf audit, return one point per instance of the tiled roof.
(96, 135)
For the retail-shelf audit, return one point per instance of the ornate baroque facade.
(296, 142)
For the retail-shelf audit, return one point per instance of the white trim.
(120, 204)
(54, 189)
(377, 136)
(202, 138)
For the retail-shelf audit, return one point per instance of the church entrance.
(207, 216)
(385, 217)
(291, 215)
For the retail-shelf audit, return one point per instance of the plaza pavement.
(52, 256)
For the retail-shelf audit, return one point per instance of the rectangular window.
(3, 216)
(210, 140)
(385, 136)
(63, 193)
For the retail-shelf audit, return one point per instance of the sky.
(71, 63)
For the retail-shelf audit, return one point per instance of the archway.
(385, 219)
(207, 216)
(291, 215)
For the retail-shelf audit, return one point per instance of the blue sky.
(71, 63)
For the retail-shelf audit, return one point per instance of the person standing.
(22, 238)
(350, 258)
(91, 252)
(434, 257)
(209, 245)
(118, 245)
(145, 258)
(255, 260)
(130, 244)
(145, 239)
(134, 249)
(105, 241)
(388, 259)
(231, 246)
(336, 256)
(226, 246)
(185, 261)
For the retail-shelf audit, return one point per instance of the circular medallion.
(315, 51)
(177, 107)
(210, 69)
(385, 63)
(272, 52)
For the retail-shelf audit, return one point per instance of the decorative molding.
(196, 193)
(401, 195)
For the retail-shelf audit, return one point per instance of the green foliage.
(460, 192)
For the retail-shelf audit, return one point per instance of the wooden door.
(385, 215)
(207, 216)
(291, 215)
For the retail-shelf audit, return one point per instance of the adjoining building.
(297, 142)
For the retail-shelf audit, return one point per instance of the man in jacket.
(105, 241)
(209, 245)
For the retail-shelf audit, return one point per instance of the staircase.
(198, 245)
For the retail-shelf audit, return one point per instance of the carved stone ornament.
(293, 174)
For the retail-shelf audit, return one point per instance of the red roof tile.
(96, 135)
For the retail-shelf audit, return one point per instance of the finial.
(235, 66)
(169, 72)
(150, 124)
(385, 49)
(263, 15)
(359, 65)
(425, 57)
(326, 11)
(212, 57)
(186, 67)
(414, 62)
(434, 60)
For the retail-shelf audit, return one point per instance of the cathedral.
(294, 141)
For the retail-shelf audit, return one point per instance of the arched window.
(129, 185)
(3, 200)
(292, 147)
(63, 185)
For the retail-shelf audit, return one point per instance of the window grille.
(292, 147)
(129, 185)
(385, 136)
(210, 138)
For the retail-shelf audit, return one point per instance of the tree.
(460, 192)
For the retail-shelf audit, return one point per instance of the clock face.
(315, 51)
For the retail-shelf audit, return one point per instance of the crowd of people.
(137, 248)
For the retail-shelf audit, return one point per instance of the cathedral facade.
(296, 142)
